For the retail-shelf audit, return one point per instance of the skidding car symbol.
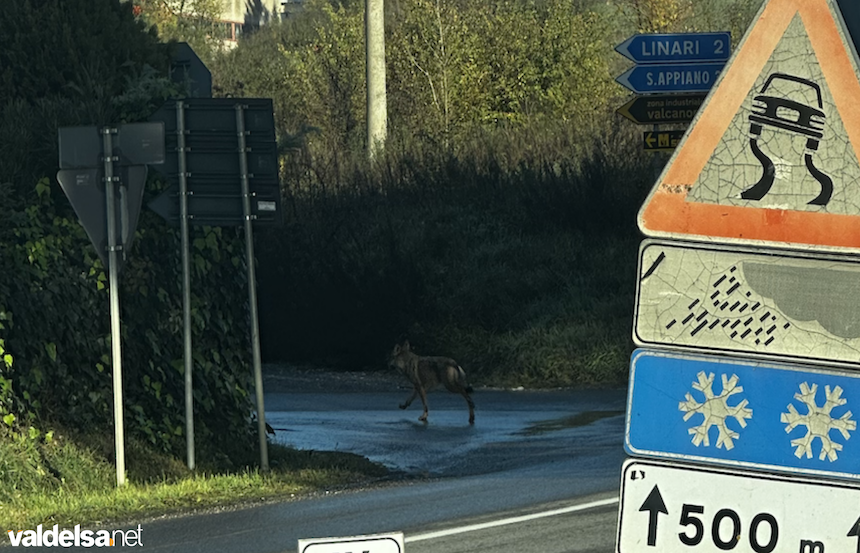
(795, 117)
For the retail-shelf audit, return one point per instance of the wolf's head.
(399, 356)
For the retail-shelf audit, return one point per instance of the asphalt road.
(586, 527)
(528, 453)
(513, 428)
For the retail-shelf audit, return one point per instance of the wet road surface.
(513, 428)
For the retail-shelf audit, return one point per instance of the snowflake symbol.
(818, 422)
(716, 410)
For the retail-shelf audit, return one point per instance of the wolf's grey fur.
(427, 372)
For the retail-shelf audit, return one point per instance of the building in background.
(243, 16)
(226, 20)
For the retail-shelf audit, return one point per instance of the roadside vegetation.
(69, 479)
(498, 227)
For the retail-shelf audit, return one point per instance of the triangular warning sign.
(772, 156)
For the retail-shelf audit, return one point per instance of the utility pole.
(377, 112)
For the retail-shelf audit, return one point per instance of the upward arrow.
(654, 505)
(855, 532)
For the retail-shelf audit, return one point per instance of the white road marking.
(511, 520)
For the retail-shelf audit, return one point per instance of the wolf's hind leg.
(471, 407)
(409, 401)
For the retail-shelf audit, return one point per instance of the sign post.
(224, 173)
(252, 286)
(108, 208)
(186, 285)
(113, 289)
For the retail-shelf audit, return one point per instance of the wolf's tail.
(468, 388)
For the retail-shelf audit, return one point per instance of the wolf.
(427, 372)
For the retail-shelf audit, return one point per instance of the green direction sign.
(742, 300)
(661, 141)
(659, 109)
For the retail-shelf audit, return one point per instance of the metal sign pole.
(252, 285)
(186, 283)
(113, 288)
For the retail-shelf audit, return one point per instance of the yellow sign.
(662, 141)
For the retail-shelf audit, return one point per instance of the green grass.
(134, 500)
(65, 482)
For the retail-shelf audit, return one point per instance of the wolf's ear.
(396, 349)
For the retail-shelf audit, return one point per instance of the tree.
(453, 66)
(508, 61)
(669, 16)
(724, 15)
(193, 21)
(89, 62)
(64, 63)
(51, 47)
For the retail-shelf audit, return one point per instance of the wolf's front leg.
(423, 418)
(408, 402)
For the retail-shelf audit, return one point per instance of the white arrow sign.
(670, 508)
(379, 543)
